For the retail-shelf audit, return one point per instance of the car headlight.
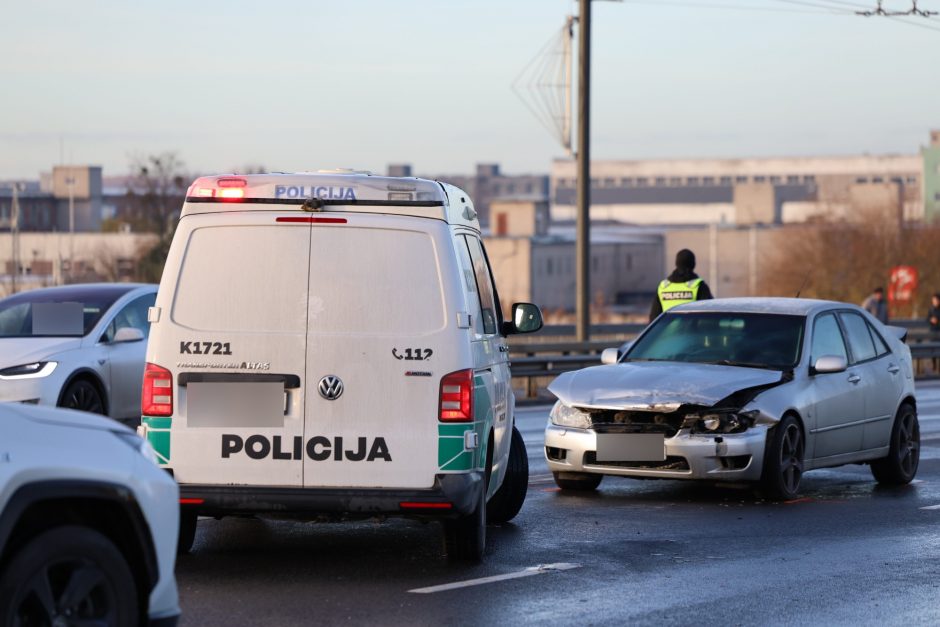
(139, 444)
(565, 416)
(35, 370)
(721, 421)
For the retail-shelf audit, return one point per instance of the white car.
(741, 389)
(76, 346)
(88, 523)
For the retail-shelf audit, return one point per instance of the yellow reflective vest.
(672, 294)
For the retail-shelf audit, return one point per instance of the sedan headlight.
(139, 444)
(565, 416)
(35, 370)
(721, 421)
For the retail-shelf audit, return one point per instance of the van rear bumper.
(460, 491)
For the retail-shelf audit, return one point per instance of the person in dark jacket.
(933, 320)
(682, 286)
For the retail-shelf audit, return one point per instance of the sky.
(304, 85)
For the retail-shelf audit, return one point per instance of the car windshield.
(52, 314)
(755, 340)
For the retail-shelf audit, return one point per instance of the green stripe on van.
(158, 434)
(451, 455)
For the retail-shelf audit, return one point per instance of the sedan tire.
(783, 460)
(900, 465)
(577, 481)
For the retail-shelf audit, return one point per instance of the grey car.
(744, 389)
(77, 346)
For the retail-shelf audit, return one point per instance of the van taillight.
(156, 398)
(457, 397)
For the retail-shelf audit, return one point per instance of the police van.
(332, 345)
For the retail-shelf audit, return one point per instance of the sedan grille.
(611, 421)
(673, 462)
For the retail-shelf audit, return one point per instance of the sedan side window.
(827, 339)
(860, 342)
(880, 345)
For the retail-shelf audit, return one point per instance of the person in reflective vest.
(682, 286)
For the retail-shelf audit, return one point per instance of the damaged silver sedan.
(741, 390)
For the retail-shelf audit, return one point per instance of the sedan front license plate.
(631, 447)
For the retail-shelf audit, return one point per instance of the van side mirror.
(127, 334)
(829, 364)
(526, 318)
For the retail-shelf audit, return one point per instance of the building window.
(708, 180)
(675, 181)
(609, 182)
(726, 180)
(760, 178)
(877, 179)
(911, 180)
(660, 181)
(626, 182)
(692, 180)
(642, 182)
(809, 178)
(510, 188)
(740, 179)
(862, 180)
(775, 179)
(793, 179)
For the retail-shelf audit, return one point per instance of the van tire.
(508, 500)
(184, 543)
(465, 537)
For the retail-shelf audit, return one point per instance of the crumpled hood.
(658, 386)
(16, 351)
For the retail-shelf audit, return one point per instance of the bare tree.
(157, 190)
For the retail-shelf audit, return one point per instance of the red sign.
(903, 284)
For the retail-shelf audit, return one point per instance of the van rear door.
(380, 340)
(239, 315)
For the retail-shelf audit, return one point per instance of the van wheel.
(465, 537)
(187, 532)
(577, 481)
(900, 465)
(69, 575)
(508, 500)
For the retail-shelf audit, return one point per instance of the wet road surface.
(637, 552)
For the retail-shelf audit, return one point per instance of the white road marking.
(931, 507)
(528, 572)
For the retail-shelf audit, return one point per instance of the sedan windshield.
(52, 315)
(755, 340)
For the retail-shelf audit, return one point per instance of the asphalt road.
(636, 552)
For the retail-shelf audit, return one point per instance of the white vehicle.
(88, 523)
(333, 344)
(76, 346)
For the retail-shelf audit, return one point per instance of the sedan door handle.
(854, 378)
(893, 369)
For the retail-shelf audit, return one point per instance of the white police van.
(333, 344)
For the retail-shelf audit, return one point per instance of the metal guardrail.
(546, 355)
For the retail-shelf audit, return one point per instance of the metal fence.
(539, 358)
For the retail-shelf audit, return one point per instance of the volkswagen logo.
(330, 387)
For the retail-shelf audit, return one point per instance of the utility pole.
(14, 231)
(583, 245)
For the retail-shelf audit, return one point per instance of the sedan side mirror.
(610, 355)
(829, 364)
(127, 334)
(526, 318)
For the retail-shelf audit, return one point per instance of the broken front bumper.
(726, 457)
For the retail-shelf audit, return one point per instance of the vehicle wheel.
(465, 537)
(577, 481)
(83, 396)
(900, 466)
(508, 500)
(69, 575)
(188, 520)
(783, 460)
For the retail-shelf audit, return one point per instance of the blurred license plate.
(631, 447)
